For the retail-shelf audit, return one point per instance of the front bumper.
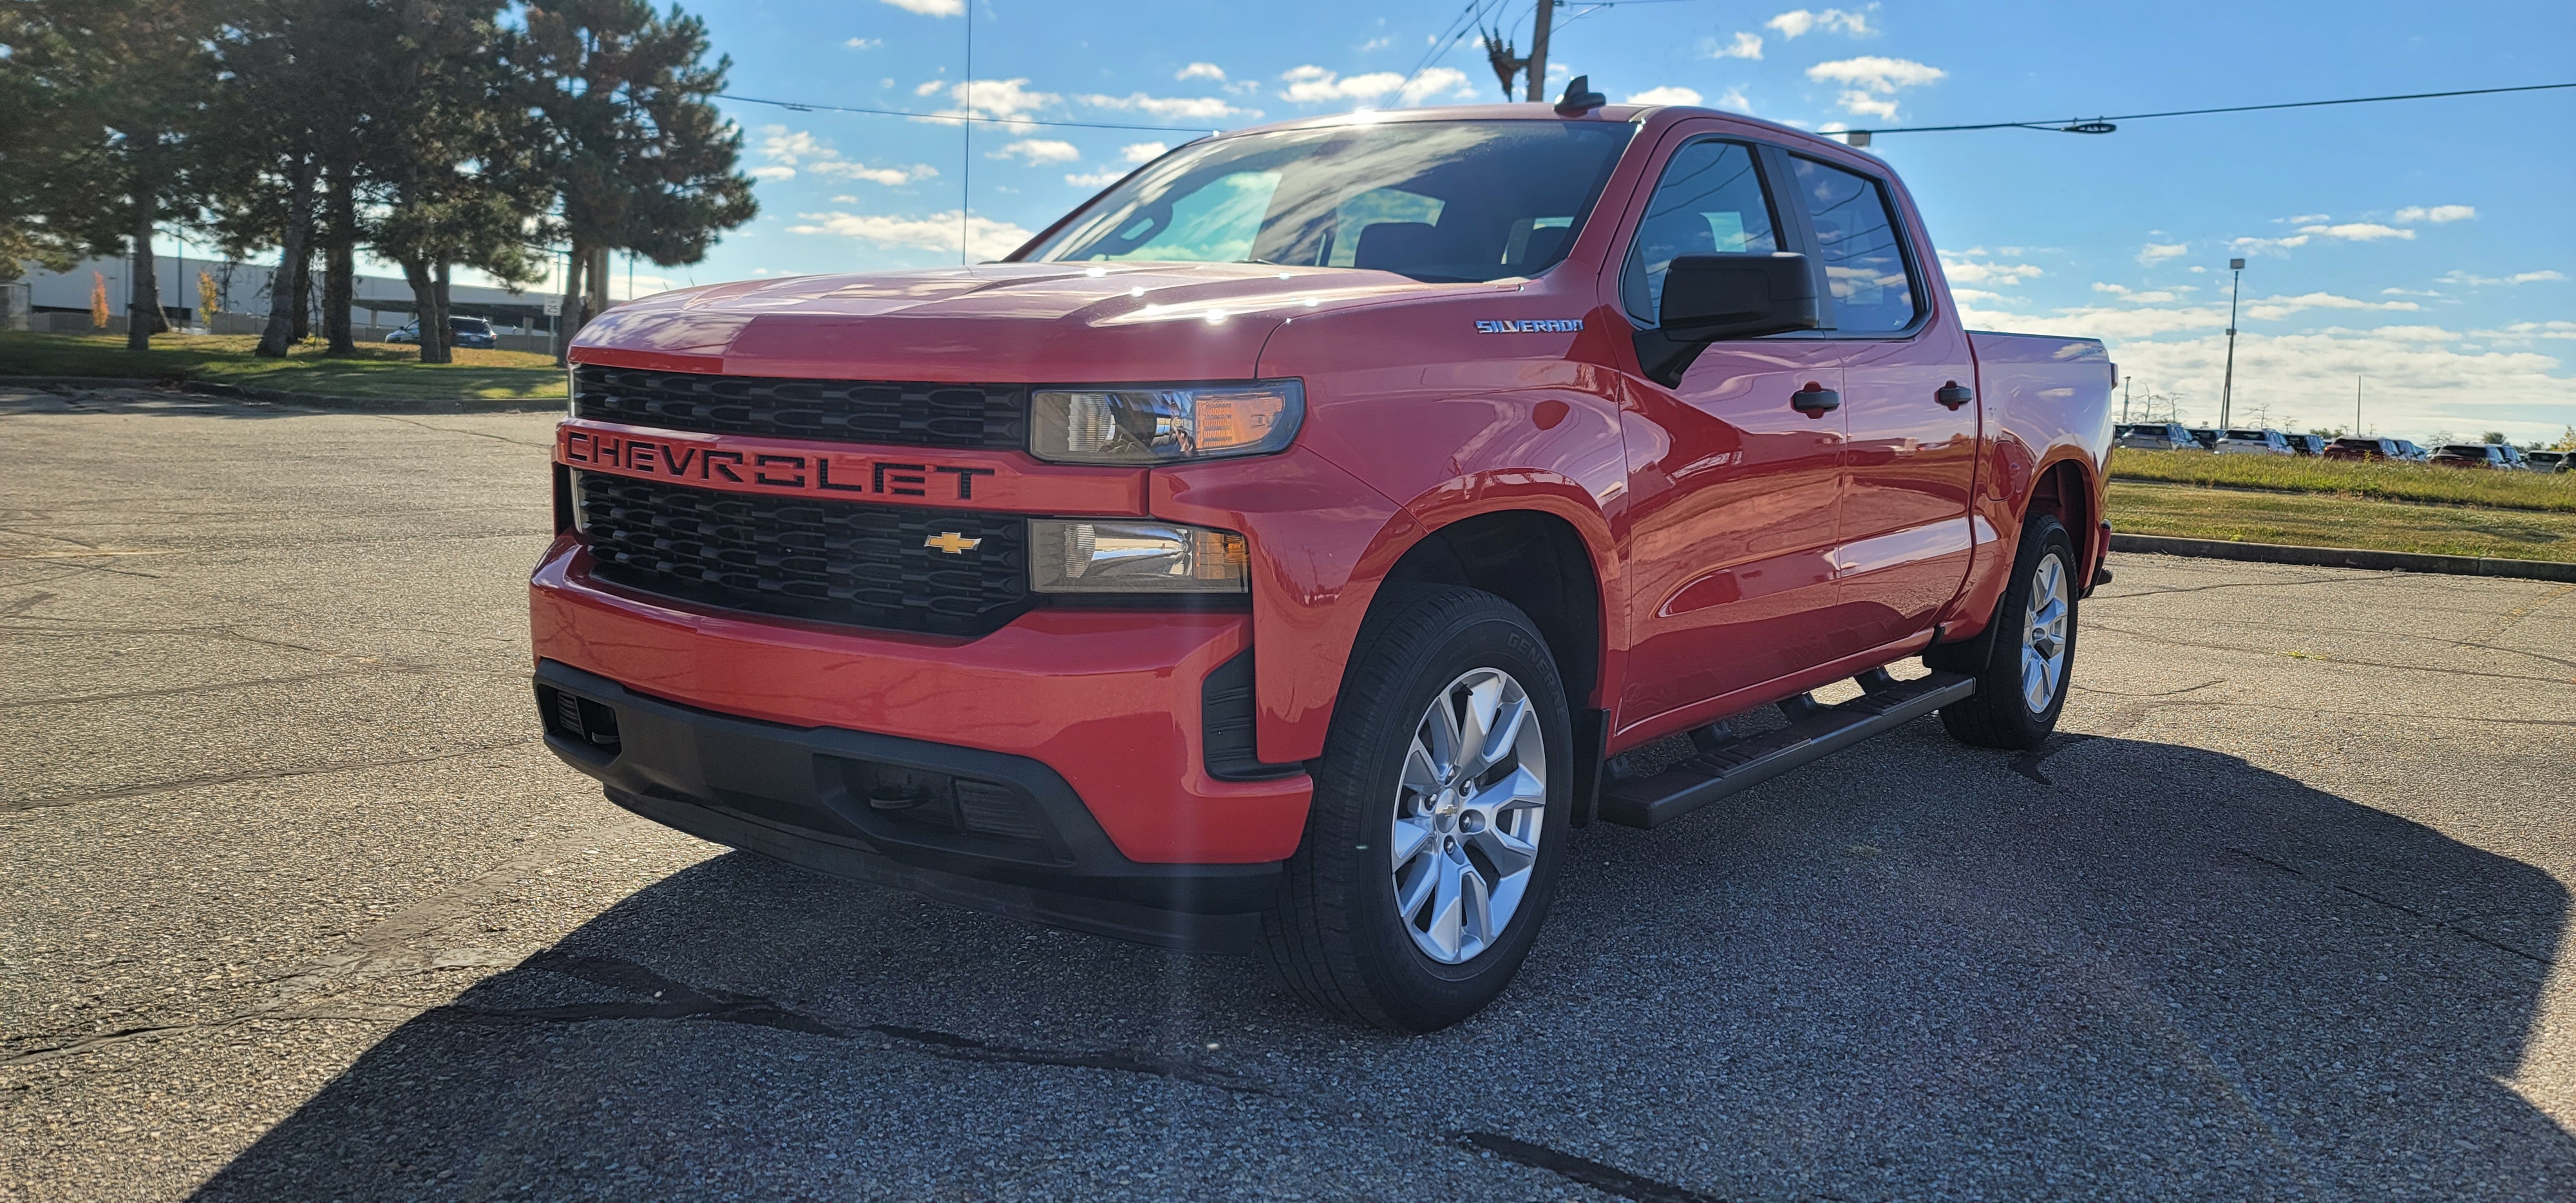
(1004, 834)
(1093, 716)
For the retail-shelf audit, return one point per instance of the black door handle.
(1815, 400)
(1954, 394)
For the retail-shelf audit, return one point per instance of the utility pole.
(2227, 390)
(2356, 405)
(2124, 399)
(1545, 18)
(966, 152)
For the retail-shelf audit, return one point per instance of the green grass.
(2380, 481)
(377, 370)
(2339, 520)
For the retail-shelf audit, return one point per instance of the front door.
(1732, 492)
(1909, 411)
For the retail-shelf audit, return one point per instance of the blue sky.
(2426, 247)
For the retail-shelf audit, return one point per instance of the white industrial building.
(60, 301)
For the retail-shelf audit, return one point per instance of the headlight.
(1067, 556)
(1162, 425)
(572, 390)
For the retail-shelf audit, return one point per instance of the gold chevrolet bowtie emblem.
(951, 542)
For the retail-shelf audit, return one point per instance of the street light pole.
(2227, 390)
(2124, 398)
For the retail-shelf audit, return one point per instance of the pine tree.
(641, 156)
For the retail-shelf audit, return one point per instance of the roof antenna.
(1579, 98)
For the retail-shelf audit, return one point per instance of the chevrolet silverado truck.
(1283, 550)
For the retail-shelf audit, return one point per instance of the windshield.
(1434, 200)
(2247, 436)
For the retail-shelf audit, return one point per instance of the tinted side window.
(1856, 237)
(1709, 200)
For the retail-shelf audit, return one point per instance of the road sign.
(554, 306)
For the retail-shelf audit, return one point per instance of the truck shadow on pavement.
(2112, 969)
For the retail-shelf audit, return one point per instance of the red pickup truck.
(1284, 549)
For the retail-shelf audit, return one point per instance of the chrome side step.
(1738, 764)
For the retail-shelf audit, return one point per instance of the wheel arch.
(1539, 561)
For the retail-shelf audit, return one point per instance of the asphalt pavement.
(294, 905)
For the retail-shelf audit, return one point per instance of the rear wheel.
(1432, 845)
(2022, 686)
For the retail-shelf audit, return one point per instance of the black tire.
(1337, 936)
(2000, 715)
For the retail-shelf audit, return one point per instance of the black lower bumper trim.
(979, 829)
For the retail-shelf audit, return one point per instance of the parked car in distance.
(2551, 461)
(2308, 444)
(2155, 436)
(2408, 451)
(2364, 449)
(2476, 455)
(2206, 437)
(2254, 442)
(462, 332)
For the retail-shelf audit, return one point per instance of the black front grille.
(841, 411)
(829, 561)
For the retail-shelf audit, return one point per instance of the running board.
(1741, 764)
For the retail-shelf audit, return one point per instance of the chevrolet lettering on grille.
(822, 474)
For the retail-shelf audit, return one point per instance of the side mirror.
(1708, 298)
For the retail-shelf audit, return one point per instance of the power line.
(2086, 126)
(802, 107)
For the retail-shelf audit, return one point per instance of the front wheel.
(2022, 686)
(1439, 816)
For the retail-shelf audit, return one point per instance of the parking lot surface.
(295, 905)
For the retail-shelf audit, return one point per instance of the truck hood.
(995, 323)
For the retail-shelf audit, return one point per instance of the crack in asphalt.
(675, 1000)
(2399, 907)
(56, 801)
(1584, 1171)
(2426, 668)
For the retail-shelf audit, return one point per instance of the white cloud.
(1798, 22)
(2268, 246)
(930, 87)
(2420, 379)
(864, 43)
(790, 149)
(1310, 84)
(2538, 277)
(932, 8)
(1976, 295)
(2520, 331)
(985, 237)
(1874, 81)
(1201, 71)
(2358, 231)
(1742, 45)
(889, 176)
(2157, 252)
(1978, 271)
(1668, 94)
(1735, 101)
(2437, 214)
(1096, 179)
(1142, 152)
(999, 99)
(1039, 150)
(1196, 108)
(1376, 44)
(2159, 296)
(2273, 309)
(2306, 219)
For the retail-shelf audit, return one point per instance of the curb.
(275, 396)
(2345, 557)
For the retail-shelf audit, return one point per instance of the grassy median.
(377, 370)
(2376, 481)
(2333, 520)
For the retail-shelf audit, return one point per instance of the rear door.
(1910, 414)
(1733, 492)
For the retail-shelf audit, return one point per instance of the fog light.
(1067, 556)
